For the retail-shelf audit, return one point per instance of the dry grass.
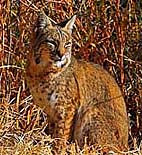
(106, 32)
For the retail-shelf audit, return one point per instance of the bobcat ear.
(44, 21)
(70, 23)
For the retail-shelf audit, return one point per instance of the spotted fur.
(80, 98)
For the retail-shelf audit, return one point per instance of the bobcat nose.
(60, 53)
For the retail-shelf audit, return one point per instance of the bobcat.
(82, 101)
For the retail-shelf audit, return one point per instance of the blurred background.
(106, 32)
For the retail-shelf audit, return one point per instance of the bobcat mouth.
(63, 61)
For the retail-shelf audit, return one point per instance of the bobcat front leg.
(62, 125)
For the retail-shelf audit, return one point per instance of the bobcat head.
(53, 42)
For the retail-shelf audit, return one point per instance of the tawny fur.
(80, 99)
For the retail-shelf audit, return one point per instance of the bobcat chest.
(56, 94)
(53, 98)
(48, 93)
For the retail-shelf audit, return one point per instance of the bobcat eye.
(51, 46)
(67, 45)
